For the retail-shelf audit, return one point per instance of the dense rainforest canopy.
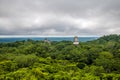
(36, 60)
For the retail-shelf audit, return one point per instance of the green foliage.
(26, 60)
(81, 65)
(36, 60)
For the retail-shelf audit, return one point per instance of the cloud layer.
(59, 17)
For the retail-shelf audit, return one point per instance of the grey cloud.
(59, 17)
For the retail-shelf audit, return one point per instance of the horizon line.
(9, 36)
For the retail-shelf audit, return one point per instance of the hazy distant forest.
(36, 60)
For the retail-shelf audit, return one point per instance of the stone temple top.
(47, 41)
(76, 41)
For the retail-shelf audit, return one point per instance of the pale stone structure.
(47, 41)
(76, 41)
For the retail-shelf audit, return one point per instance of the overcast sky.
(59, 17)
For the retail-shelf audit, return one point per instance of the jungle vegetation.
(36, 60)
